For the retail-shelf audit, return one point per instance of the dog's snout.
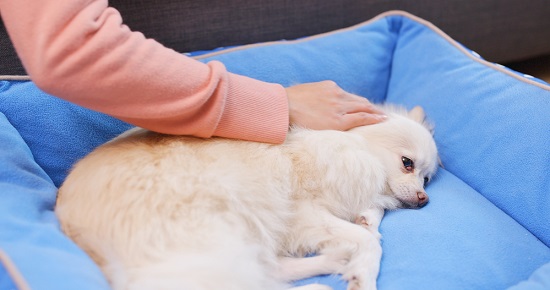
(422, 198)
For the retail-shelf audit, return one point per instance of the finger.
(360, 104)
(353, 120)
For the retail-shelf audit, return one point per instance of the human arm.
(81, 51)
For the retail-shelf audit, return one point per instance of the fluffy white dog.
(172, 212)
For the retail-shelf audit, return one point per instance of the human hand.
(326, 106)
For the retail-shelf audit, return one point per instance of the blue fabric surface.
(486, 226)
(57, 132)
(540, 280)
(29, 229)
(6, 282)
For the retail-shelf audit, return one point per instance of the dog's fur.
(173, 212)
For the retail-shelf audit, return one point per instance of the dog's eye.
(426, 180)
(408, 163)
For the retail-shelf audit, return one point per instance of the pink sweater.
(80, 51)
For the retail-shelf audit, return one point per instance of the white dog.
(172, 212)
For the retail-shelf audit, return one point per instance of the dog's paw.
(360, 282)
(362, 273)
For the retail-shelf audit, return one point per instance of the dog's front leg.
(370, 219)
(331, 236)
(292, 268)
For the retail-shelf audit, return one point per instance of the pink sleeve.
(80, 51)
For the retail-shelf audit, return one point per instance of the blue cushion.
(460, 240)
(493, 126)
(57, 132)
(539, 280)
(485, 227)
(30, 235)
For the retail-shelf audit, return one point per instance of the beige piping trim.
(14, 78)
(14, 273)
(385, 14)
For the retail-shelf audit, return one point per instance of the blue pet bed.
(486, 226)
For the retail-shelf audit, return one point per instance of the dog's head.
(406, 147)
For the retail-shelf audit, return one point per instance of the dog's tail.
(222, 262)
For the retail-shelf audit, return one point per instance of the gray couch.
(499, 30)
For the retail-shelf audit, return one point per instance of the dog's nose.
(422, 198)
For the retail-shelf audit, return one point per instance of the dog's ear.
(417, 114)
